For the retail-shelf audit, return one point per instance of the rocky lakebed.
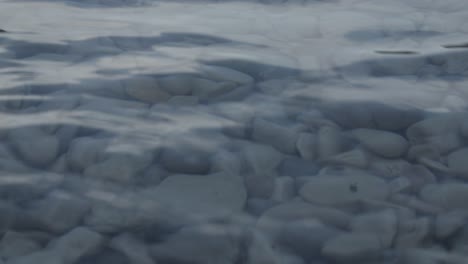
(233, 132)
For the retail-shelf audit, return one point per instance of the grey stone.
(77, 243)
(457, 161)
(85, 151)
(261, 184)
(281, 137)
(23, 187)
(261, 158)
(177, 84)
(260, 250)
(386, 144)
(450, 196)
(307, 145)
(186, 159)
(200, 244)
(135, 250)
(354, 158)
(44, 256)
(59, 211)
(446, 224)
(214, 194)
(14, 244)
(220, 73)
(284, 189)
(352, 247)
(227, 161)
(296, 167)
(208, 90)
(445, 124)
(119, 167)
(344, 190)
(412, 233)
(184, 100)
(145, 89)
(383, 224)
(35, 146)
(306, 237)
(329, 142)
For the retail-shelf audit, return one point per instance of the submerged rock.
(386, 144)
(349, 247)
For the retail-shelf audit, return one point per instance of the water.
(233, 132)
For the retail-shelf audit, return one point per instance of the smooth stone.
(220, 73)
(385, 144)
(231, 94)
(445, 143)
(432, 126)
(450, 196)
(119, 167)
(257, 206)
(145, 89)
(193, 195)
(307, 145)
(306, 237)
(419, 176)
(209, 90)
(177, 84)
(329, 142)
(280, 137)
(152, 175)
(14, 244)
(394, 119)
(226, 161)
(354, 158)
(416, 152)
(388, 168)
(260, 250)
(261, 184)
(273, 219)
(34, 146)
(30, 186)
(43, 256)
(261, 158)
(447, 224)
(344, 190)
(184, 100)
(458, 162)
(384, 224)
(412, 233)
(85, 151)
(59, 211)
(349, 115)
(199, 244)
(77, 243)
(134, 249)
(352, 247)
(284, 189)
(297, 167)
(186, 159)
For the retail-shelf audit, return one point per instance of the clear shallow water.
(233, 132)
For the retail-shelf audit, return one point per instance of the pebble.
(208, 90)
(281, 137)
(227, 161)
(306, 237)
(14, 244)
(220, 73)
(186, 159)
(24, 187)
(384, 224)
(457, 162)
(43, 256)
(447, 224)
(297, 167)
(145, 89)
(177, 84)
(184, 100)
(449, 196)
(135, 250)
(119, 167)
(261, 158)
(383, 143)
(445, 124)
(34, 146)
(260, 250)
(200, 244)
(207, 195)
(307, 145)
(329, 142)
(260, 184)
(284, 189)
(59, 211)
(77, 243)
(411, 233)
(344, 190)
(354, 158)
(352, 247)
(85, 151)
